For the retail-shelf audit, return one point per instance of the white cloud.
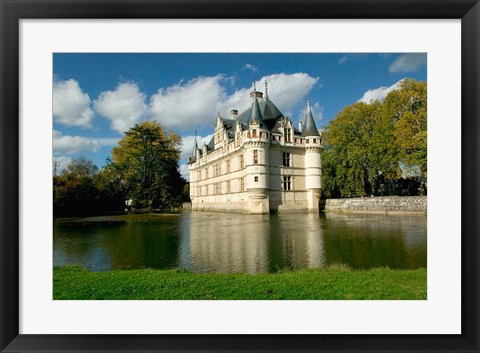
(286, 91)
(184, 172)
(123, 107)
(187, 144)
(188, 105)
(65, 144)
(250, 67)
(317, 111)
(408, 62)
(378, 93)
(71, 106)
(60, 163)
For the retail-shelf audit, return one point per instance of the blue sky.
(96, 97)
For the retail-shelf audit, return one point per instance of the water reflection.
(225, 243)
(299, 241)
(216, 242)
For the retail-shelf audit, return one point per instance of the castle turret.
(313, 172)
(256, 153)
(193, 174)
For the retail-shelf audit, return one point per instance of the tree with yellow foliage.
(367, 145)
(146, 159)
(407, 107)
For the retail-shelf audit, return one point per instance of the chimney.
(259, 95)
(300, 126)
(234, 113)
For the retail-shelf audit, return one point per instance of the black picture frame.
(12, 11)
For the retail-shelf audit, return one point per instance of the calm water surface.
(218, 242)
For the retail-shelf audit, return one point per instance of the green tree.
(81, 167)
(74, 192)
(111, 193)
(82, 189)
(407, 108)
(146, 160)
(370, 144)
(359, 151)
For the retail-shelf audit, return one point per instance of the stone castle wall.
(384, 204)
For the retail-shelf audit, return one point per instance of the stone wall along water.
(384, 204)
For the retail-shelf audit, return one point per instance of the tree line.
(142, 168)
(370, 146)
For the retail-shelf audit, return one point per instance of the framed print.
(306, 122)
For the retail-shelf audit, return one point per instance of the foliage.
(368, 145)
(143, 167)
(81, 167)
(186, 193)
(407, 107)
(82, 190)
(146, 162)
(330, 283)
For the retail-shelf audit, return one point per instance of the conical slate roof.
(269, 113)
(309, 129)
(194, 151)
(255, 114)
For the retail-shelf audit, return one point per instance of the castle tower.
(256, 152)
(313, 172)
(193, 174)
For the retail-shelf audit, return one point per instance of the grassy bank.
(337, 282)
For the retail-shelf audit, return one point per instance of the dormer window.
(254, 133)
(288, 135)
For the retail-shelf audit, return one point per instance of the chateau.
(258, 162)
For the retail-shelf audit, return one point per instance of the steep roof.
(193, 158)
(269, 112)
(309, 129)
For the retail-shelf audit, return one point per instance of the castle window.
(254, 133)
(255, 156)
(287, 183)
(241, 162)
(314, 140)
(228, 166)
(286, 159)
(242, 184)
(288, 135)
(228, 186)
(308, 141)
(255, 179)
(218, 188)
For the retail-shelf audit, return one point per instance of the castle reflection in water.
(251, 243)
(241, 243)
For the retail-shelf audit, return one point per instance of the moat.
(229, 243)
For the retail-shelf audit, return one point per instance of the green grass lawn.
(336, 282)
